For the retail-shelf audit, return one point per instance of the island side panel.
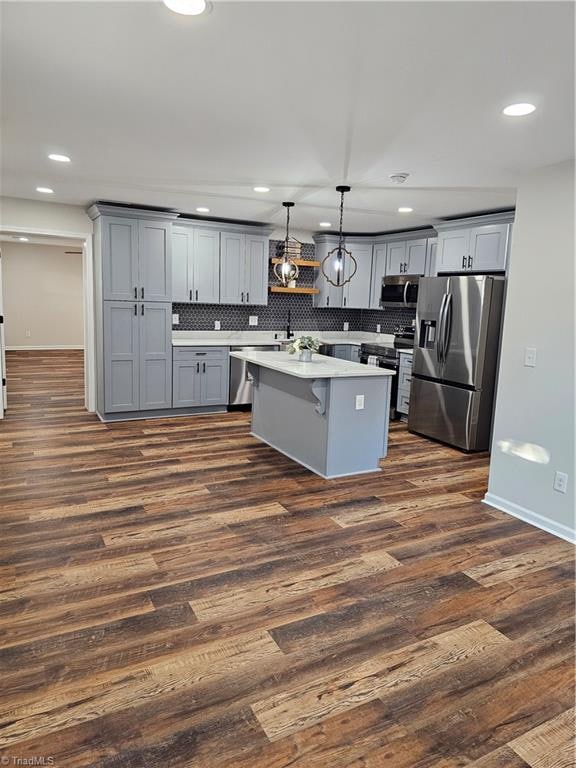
(357, 439)
(285, 415)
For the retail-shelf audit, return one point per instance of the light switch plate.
(175, 319)
(346, 326)
(359, 402)
(561, 482)
(530, 357)
(253, 320)
(216, 325)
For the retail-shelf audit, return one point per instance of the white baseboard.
(20, 348)
(533, 518)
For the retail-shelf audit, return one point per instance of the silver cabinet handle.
(470, 262)
(463, 262)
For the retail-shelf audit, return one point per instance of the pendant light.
(287, 270)
(334, 263)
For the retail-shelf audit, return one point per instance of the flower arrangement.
(304, 345)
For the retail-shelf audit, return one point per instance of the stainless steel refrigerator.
(455, 359)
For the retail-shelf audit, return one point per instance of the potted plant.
(305, 346)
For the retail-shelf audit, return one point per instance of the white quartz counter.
(321, 367)
(267, 338)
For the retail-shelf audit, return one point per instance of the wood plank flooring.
(175, 593)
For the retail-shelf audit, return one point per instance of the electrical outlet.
(560, 482)
(359, 402)
(346, 326)
(216, 325)
(378, 328)
(28, 334)
(175, 319)
(530, 357)
(253, 320)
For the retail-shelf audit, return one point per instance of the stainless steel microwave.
(399, 291)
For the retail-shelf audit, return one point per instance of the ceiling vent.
(398, 178)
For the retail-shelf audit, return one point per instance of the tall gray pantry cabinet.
(133, 303)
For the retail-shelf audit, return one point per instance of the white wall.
(43, 294)
(37, 215)
(536, 405)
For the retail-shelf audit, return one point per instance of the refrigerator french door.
(455, 359)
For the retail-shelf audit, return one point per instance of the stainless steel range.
(386, 355)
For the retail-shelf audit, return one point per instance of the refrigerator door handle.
(439, 336)
(446, 331)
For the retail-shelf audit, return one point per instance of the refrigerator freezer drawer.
(459, 417)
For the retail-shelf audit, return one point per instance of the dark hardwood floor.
(175, 593)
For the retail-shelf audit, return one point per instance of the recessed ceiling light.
(325, 224)
(23, 239)
(261, 189)
(59, 158)
(186, 7)
(203, 210)
(45, 190)
(518, 110)
(405, 210)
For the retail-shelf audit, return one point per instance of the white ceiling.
(160, 109)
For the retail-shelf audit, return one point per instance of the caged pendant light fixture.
(333, 266)
(287, 270)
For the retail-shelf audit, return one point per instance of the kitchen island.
(329, 415)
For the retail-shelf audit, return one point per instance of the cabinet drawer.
(405, 378)
(403, 403)
(200, 353)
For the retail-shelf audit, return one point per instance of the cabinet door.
(431, 266)
(453, 250)
(155, 355)
(232, 268)
(181, 264)
(206, 266)
(396, 262)
(186, 378)
(488, 245)
(121, 356)
(119, 258)
(357, 291)
(155, 260)
(329, 295)
(214, 382)
(416, 257)
(378, 272)
(257, 248)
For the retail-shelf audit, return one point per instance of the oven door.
(399, 291)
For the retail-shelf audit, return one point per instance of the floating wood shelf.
(282, 289)
(299, 262)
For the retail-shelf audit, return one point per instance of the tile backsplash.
(201, 317)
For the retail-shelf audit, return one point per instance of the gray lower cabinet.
(200, 376)
(137, 356)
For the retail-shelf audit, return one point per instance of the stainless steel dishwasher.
(240, 379)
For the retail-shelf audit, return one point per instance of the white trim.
(23, 348)
(533, 518)
(88, 298)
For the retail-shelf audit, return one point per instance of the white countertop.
(321, 367)
(267, 338)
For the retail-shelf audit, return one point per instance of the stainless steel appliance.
(240, 379)
(386, 355)
(455, 359)
(399, 290)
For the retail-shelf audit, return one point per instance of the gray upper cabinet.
(356, 294)
(480, 248)
(206, 267)
(155, 355)
(195, 265)
(120, 278)
(121, 356)
(244, 268)
(154, 259)
(378, 272)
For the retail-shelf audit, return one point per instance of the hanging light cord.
(341, 236)
(287, 226)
